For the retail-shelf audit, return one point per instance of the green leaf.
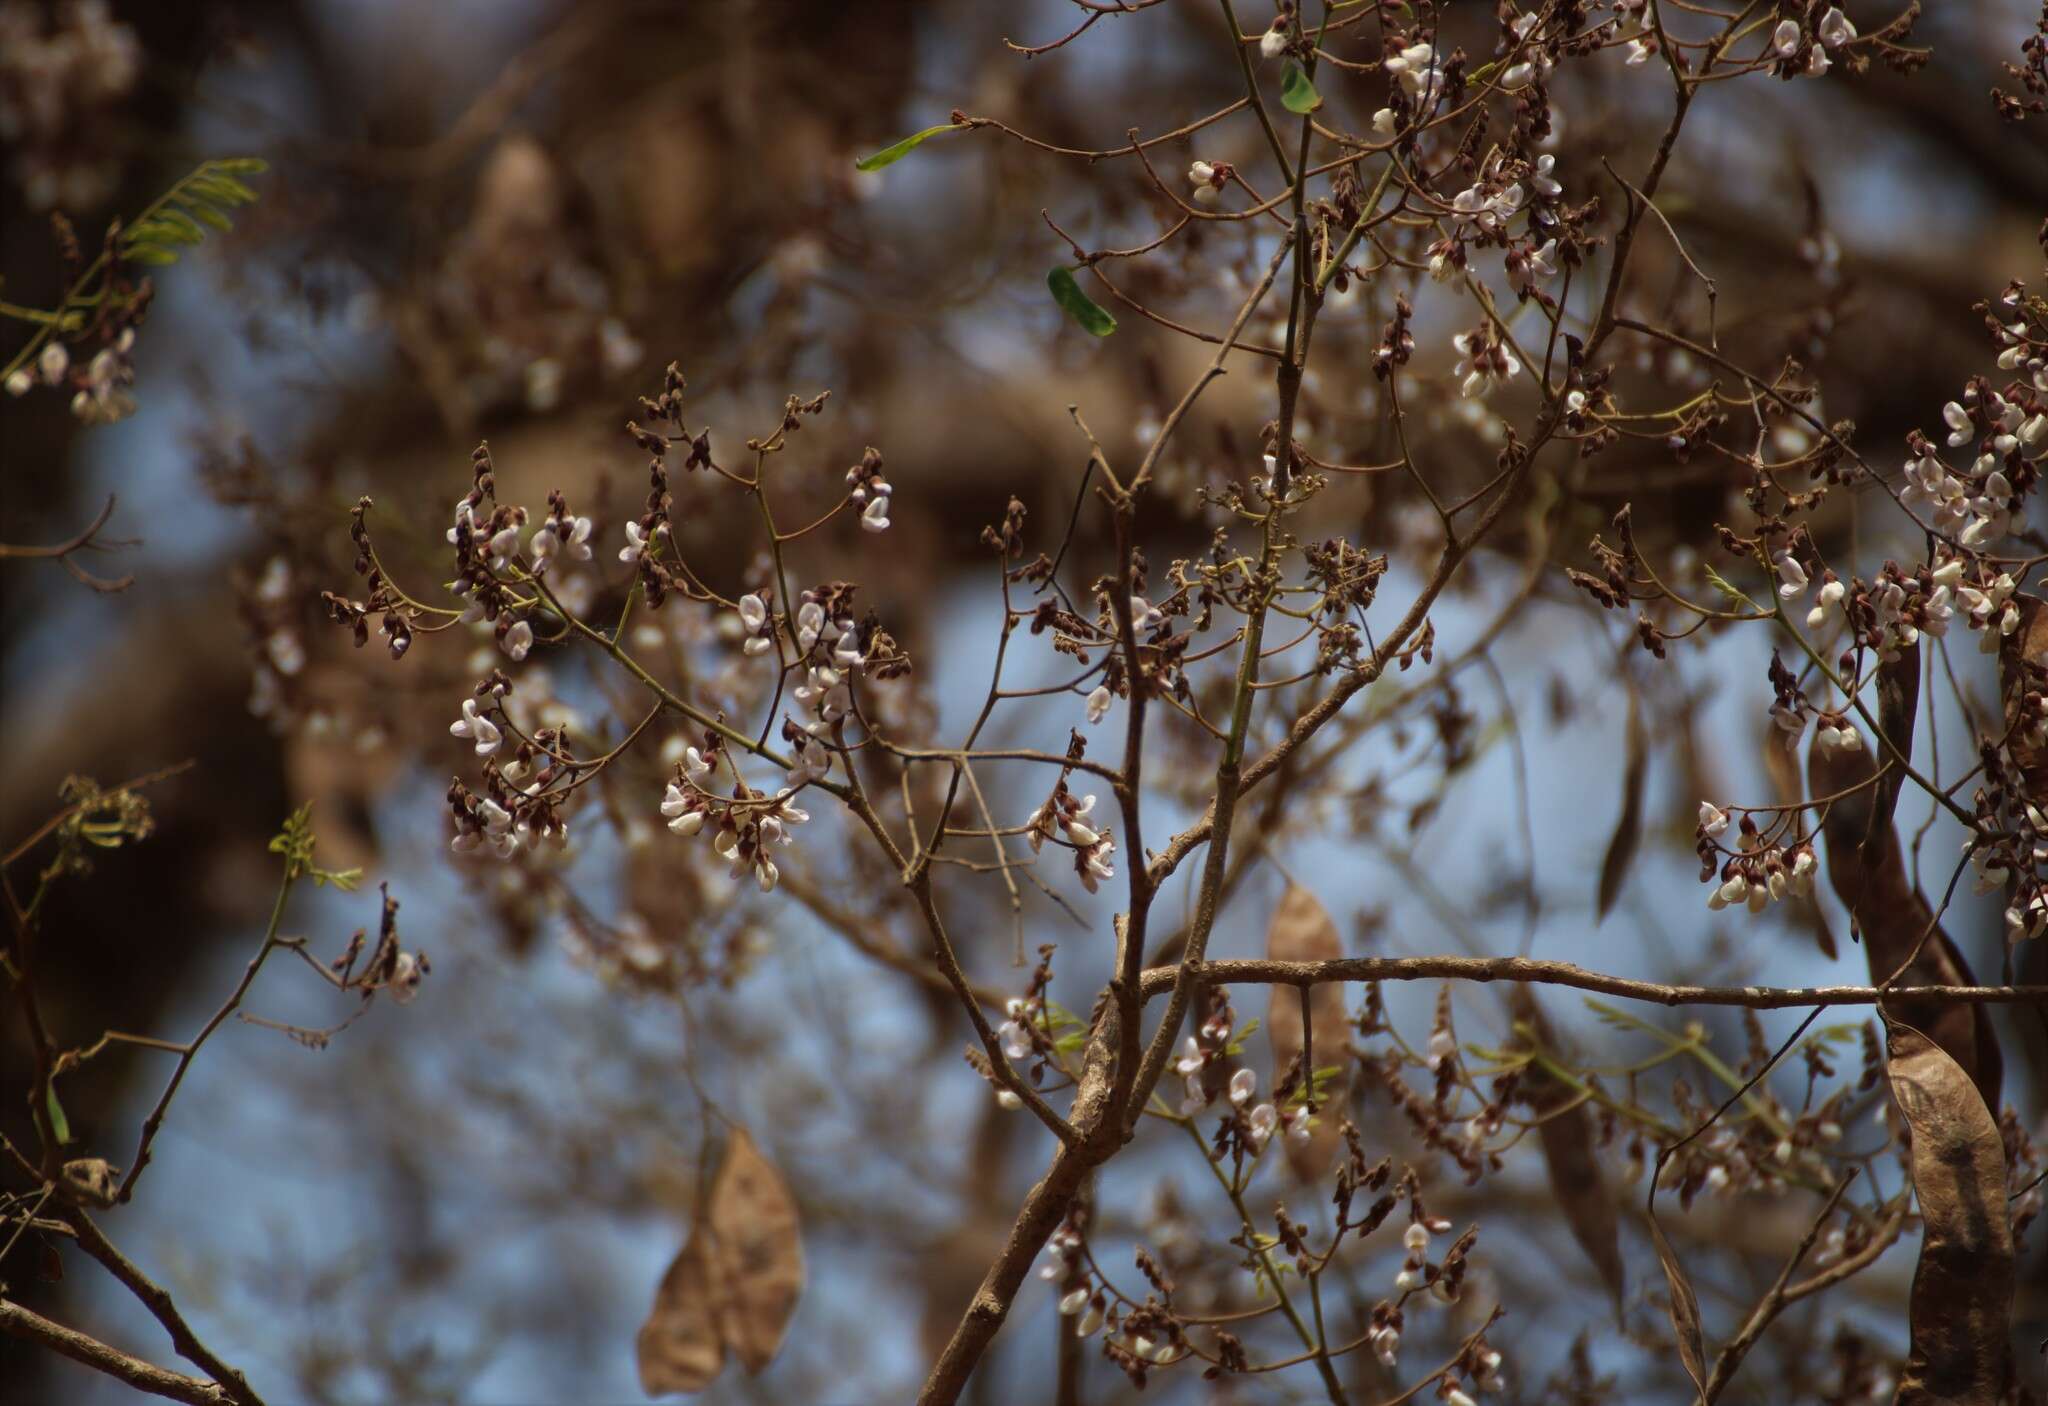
(59, 1124)
(1297, 94)
(207, 215)
(890, 155)
(167, 227)
(1079, 306)
(221, 190)
(152, 254)
(241, 165)
(1721, 584)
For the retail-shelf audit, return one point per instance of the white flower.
(1517, 76)
(1442, 1046)
(1541, 178)
(1416, 1238)
(1785, 38)
(1487, 209)
(1482, 360)
(1835, 28)
(1817, 61)
(1961, 430)
(287, 652)
(1191, 1059)
(1385, 1343)
(637, 541)
(1263, 1120)
(1383, 122)
(473, 725)
(1791, 576)
(1016, 1039)
(54, 362)
(571, 539)
(1098, 703)
(695, 765)
(1713, 820)
(1639, 50)
(1456, 1397)
(810, 622)
(1273, 42)
(753, 613)
(875, 517)
(1073, 1301)
(1532, 265)
(1839, 737)
(518, 640)
(406, 972)
(1243, 1085)
(19, 382)
(1007, 1100)
(1415, 67)
(765, 873)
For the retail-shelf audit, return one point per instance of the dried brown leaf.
(1893, 915)
(1628, 830)
(757, 1251)
(2022, 665)
(1567, 1136)
(1685, 1310)
(1781, 762)
(679, 1345)
(735, 1283)
(1898, 699)
(1301, 930)
(1963, 1285)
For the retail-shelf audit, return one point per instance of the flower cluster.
(1982, 505)
(743, 826)
(1483, 360)
(1068, 821)
(867, 490)
(64, 71)
(99, 388)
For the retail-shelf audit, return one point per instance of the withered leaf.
(1872, 883)
(1567, 1137)
(1301, 930)
(1628, 830)
(679, 1345)
(734, 1286)
(1685, 1311)
(758, 1252)
(1963, 1285)
(1898, 699)
(2023, 668)
(1781, 762)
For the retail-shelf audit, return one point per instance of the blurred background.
(501, 220)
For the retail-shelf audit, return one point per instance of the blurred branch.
(87, 540)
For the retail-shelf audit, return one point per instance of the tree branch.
(19, 1322)
(1248, 971)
